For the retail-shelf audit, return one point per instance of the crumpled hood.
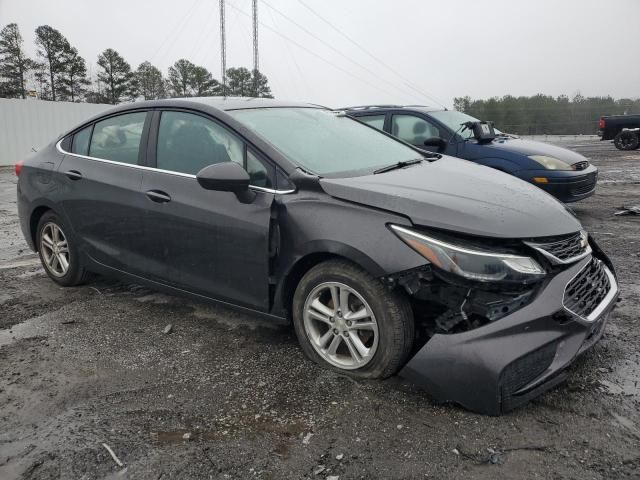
(530, 147)
(458, 195)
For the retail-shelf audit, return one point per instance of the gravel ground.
(227, 396)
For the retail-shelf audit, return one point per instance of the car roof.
(221, 104)
(232, 103)
(373, 108)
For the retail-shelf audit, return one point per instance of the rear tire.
(626, 141)
(58, 251)
(345, 319)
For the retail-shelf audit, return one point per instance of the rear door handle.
(73, 174)
(158, 196)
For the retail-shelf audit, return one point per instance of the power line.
(176, 29)
(313, 35)
(310, 51)
(303, 79)
(394, 71)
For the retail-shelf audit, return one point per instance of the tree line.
(544, 114)
(59, 73)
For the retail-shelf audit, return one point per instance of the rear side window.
(118, 138)
(376, 121)
(80, 143)
(187, 143)
(413, 130)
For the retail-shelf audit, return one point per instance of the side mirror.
(435, 142)
(224, 177)
(227, 177)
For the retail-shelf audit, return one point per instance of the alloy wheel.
(55, 250)
(340, 325)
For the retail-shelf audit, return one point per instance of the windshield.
(325, 142)
(453, 119)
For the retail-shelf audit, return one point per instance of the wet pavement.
(225, 395)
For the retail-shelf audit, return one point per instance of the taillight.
(19, 167)
(602, 124)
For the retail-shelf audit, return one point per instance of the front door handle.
(158, 196)
(73, 174)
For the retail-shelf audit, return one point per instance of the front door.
(204, 241)
(415, 130)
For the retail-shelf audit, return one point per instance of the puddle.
(625, 379)
(232, 319)
(20, 262)
(27, 329)
(158, 298)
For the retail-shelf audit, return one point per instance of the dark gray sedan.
(385, 258)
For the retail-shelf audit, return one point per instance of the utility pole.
(223, 50)
(255, 35)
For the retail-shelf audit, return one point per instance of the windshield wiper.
(397, 165)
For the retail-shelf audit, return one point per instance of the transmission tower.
(255, 35)
(223, 50)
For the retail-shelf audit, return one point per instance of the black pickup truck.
(624, 130)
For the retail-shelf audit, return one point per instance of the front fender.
(319, 225)
(501, 164)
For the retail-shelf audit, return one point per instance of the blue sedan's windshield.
(453, 119)
(325, 142)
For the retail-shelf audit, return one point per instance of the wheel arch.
(34, 219)
(322, 252)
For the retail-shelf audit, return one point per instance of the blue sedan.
(566, 175)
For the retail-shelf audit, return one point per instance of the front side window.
(118, 138)
(80, 143)
(187, 143)
(376, 121)
(325, 142)
(259, 174)
(413, 130)
(454, 121)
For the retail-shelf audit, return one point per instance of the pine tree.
(116, 76)
(14, 64)
(52, 47)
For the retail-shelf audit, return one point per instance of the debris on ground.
(318, 470)
(113, 455)
(632, 210)
(307, 437)
(168, 329)
(186, 436)
(340, 456)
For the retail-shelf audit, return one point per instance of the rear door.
(204, 241)
(101, 178)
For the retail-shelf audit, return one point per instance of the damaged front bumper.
(503, 364)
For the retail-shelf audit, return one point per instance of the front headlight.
(551, 163)
(483, 266)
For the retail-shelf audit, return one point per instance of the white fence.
(27, 124)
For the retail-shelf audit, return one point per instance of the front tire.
(58, 252)
(347, 320)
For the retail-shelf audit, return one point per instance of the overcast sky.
(412, 50)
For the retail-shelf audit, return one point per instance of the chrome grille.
(588, 289)
(563, 249)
